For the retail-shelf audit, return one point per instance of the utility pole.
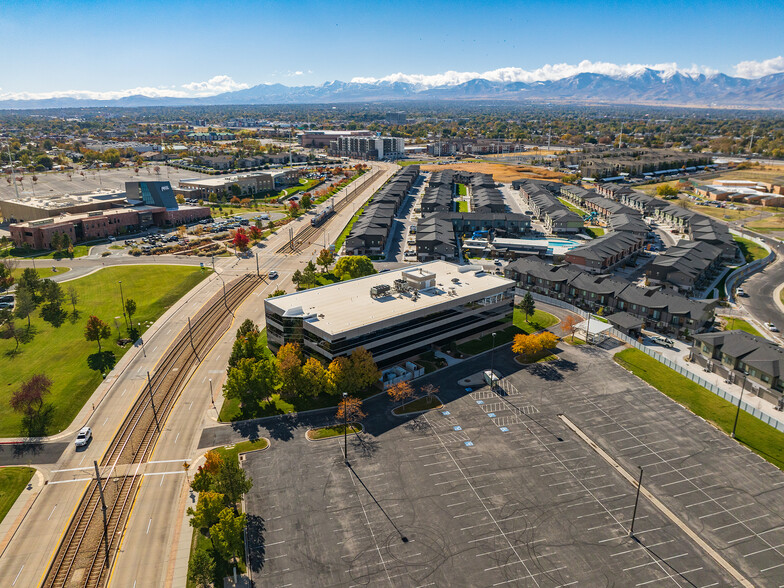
(257, 264)
(103, 509)
(152, 401)
(636, 500)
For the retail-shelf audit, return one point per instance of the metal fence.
(616, 334)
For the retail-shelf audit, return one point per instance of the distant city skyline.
(92, 49)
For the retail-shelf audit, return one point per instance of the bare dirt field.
(500, 172)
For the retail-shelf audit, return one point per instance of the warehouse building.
(393, 315)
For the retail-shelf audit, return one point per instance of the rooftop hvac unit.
(380, 290)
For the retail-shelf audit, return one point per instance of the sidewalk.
(681, 351)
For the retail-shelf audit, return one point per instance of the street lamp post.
(345, 427)
(492, 364)
(636, 500)
(122, 300)
(737, 413)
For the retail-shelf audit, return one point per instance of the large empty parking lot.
(498, 491)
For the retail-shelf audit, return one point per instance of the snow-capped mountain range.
(648, 86)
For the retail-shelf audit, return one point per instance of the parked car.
(663, 341)
(83, 437)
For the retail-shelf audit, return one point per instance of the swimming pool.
(562, 242)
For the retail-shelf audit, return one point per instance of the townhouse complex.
(663, 310)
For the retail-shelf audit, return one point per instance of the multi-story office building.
(392, 314)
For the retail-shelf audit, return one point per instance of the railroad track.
(81, 558)
(306, 236)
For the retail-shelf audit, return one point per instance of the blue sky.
(172, 47)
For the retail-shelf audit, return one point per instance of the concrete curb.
(338, 436)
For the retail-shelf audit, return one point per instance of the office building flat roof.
(345, 306)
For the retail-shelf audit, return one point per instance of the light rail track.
(81, 558)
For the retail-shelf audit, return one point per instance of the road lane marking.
(148, 526)
(51, 513)
(17, 575)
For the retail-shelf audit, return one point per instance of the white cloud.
(545, 73)
(213, 86)
(297, 73)
(757, 69)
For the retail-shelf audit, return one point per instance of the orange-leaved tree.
(350, 410)
(569, 325)
(400, 392)
(528, 345)
(548, 340)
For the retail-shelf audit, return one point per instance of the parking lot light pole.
(636, 501)
(737, 413)
(345, 427)
(492, 364)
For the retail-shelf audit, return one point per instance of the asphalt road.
(759, 288)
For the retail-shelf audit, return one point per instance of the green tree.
(277, 292)
(51, 292)
(309, 274)
(325, 259)
(45, 161)
(306, 201)
(363, 369)
(201, 569)
(231, 481)
(111, 156)
(250, 381)
(30, 280)
(290, 367)
(247, 326)
(228, 533)
(666, 190)
(95, 330)
(235, 190)
(297, 278)
(527, 305)
(338, 376)
(130, 308)
(354, 266)
(29, 401)
(6, 274)
(25, 304)
(245, 346)
(313, 378)
(207, 510)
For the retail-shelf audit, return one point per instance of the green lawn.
(539, 320)
(62, 352)
(12, 482)
(462, 190)
(594, 232)
(572, 207)
(756, 435)
(79, 251)
(405, 162)
(337, 430)
(750, 250)
(462, 206)
(43, 272)
(736, 323)
(420, 404)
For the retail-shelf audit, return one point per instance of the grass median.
(59, 349)
(336, 431)
(737, 323)
(761, 438)
(750, 250)
(12, 482)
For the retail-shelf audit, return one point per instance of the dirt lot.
(500, 172)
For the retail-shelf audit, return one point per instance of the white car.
(772, 328)
(83, 437)
(273, 274)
